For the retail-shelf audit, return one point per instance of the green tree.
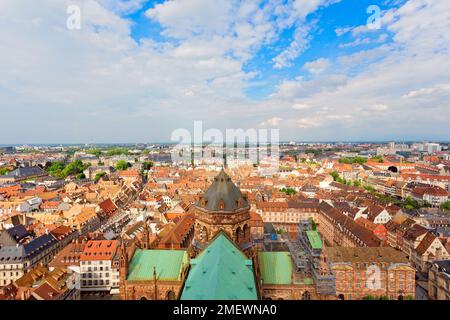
(410, 203)
(117, 151)
(122, 165)
(56, 168)
(3, 171)
(96, 152)
(335, 175)
(351, 160)
(81, 176)
(147, 165)
(377, 159)
(59, 169)
(288, 191)
(74, 168)
(99, 175)
(313, 224)
(446, 206)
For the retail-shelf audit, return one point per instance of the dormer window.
(221, 205)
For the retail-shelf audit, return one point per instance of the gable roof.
(426, 242)
(13, 235)
(220, 272)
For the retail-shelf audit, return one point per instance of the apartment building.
(99, 266)
(439, 280)
(377, 272)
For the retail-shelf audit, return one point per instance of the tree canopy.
(3, 171)
(59, 169)
(117, 151)
(147, 165)
(446, 206)
(288, 191)
(122, 165)
(351, 160)
(99, 175)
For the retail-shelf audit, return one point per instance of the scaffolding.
(306, 254)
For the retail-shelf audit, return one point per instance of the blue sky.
(324, 40)
(137, 70)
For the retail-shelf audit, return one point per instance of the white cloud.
(368, 86)
(272, 122)
(317, 66)
(123, 6)
(98, 83)
(301, 106)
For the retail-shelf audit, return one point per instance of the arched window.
(246, 233)
(237, 237)
(170, 295)
(306, 295)
(341, 297)
(205, 234)
(143, 298)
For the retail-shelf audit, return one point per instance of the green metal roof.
(220, 272)
(168, 263)
(314, 239)
(275, 267)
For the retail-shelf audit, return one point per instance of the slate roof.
(14, 254)
(223, 190)
(15, 233)
(24, 172)
(39, 244)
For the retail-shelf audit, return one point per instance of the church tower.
(222, 207)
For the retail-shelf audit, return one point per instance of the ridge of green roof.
(220, 272)
(168, 264)
(314, 239)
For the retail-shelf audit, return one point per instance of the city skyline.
(136, 70)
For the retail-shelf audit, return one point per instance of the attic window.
(221, 205)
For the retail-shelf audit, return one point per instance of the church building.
(219, 264)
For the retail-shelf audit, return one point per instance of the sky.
(136, 70)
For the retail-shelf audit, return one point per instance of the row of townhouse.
(420, 244)
(20, 252)
(287, 215)
(338, 229)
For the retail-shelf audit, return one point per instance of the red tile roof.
(99, 250)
